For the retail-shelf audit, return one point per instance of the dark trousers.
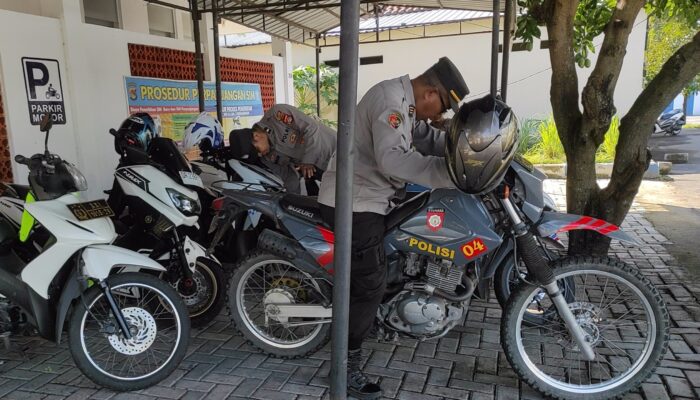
(367, 271)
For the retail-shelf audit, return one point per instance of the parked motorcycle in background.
(155, 196)
(126, 331)
(670, 123)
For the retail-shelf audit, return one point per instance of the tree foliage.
(665, 36)
(583, 115)
(305, 91)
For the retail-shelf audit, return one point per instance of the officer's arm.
(396, 159)
(428, 140)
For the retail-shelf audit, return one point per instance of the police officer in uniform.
(393, 145)
(293, 142)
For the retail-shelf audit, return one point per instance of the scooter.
(155, 196)
(126, 330)
(670, 123)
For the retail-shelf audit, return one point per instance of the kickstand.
(12, 348)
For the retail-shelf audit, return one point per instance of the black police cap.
(451, 80)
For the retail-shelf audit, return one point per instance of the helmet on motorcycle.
(480, 144)
(137, 131)
(205, 132)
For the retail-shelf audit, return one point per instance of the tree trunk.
(686, 97)
(632, 157)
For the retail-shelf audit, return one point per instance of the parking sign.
(42, 81)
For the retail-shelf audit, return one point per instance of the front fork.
(116, 311)
(538, 267)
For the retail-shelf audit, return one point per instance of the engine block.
(444, 275)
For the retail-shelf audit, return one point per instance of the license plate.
(91, 210)
(191, 179)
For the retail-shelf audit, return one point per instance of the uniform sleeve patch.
(285, 118)
(395, 120)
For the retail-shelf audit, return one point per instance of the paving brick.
(247, 387)
(405, 395)
(679, 386)
(446, 392)
(654, 391)
(265, 394)
(414, 382)
(165, 392)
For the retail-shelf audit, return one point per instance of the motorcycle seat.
(304, 207)
(405, 210)
(17, 191)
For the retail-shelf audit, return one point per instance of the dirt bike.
(576, 328)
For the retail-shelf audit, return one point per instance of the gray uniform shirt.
(297, 138)
(391, 148)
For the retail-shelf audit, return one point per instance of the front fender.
(99, 260)
(194, 251)
(554, 222)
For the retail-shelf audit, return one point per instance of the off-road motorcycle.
(602, 327)
(127, 330)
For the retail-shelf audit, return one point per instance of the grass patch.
(692, 126)
(548, 149)
(540, 143)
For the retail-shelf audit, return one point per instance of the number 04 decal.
(474, 248)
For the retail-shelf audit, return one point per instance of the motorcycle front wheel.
(203, 293)
(159, 327)
(622, 315)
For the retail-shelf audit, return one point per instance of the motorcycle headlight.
(78, 178)
(185, 204)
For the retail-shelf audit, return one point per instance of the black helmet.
(481, 143)
(135, 131)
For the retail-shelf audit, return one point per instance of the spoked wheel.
(261, 280)
(157, 322)
(622, 315)
(203, 293)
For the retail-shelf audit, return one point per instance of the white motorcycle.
(156, 196)
(127, 330)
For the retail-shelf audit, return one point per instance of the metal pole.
(494, 46)
(318, 77)
(347, 101)
(507, 26)
(198, 59)
(217, 59)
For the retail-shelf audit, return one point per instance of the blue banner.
(176, 103)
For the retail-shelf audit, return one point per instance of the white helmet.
(205, 132)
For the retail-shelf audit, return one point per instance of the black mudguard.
(71, 291)
(554, 222)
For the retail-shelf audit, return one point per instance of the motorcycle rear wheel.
(261, 276)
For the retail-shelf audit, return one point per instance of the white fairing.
(71, 235)
(150, 184)
(193, 251)
(210, 174)
(253, 174)
(100, 259)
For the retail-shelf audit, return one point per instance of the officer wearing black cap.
(393, 145)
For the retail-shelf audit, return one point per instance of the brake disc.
(143, 329)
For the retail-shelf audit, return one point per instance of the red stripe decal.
(608, 229)
(590, 223)
(327, 257)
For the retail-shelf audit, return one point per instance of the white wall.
(94, 61)
(39, 40)
(529, 72)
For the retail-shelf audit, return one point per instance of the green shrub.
(606, 151)
(528, 135)
(548, 150)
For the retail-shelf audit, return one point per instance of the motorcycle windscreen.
(164, 151)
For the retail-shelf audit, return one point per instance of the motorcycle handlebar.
(112, 131)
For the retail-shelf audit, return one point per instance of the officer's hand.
(306, 170)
